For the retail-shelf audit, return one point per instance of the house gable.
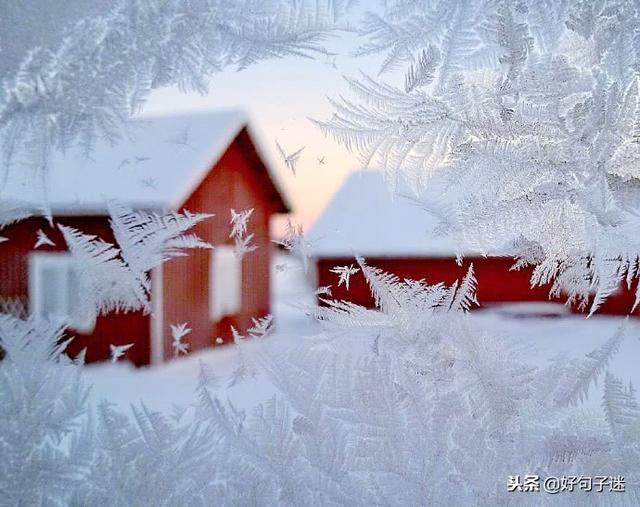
(239, 181)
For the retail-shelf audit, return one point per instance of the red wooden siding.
(117, 329)
(238, 181)
(496, 283)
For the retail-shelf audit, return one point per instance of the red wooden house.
(205, 163)
(395, 235)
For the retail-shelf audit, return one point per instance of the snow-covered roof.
(366, 218)
(158, 163)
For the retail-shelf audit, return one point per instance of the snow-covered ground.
(540, 338)
(174, 383)
(570, 335)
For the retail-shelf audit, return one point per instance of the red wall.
(496, 283)
(238, 181)
(117, 329)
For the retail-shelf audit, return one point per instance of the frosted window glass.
(55, 292)
(225, 283)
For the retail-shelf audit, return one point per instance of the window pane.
(53, 291)
(74, 298)
(225, 282)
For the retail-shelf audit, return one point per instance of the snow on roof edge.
(198, 176)
(364, 218)
(244, 121)
(234, 121)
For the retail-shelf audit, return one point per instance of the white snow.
(157, 164)
(366, 218)
(526, 309)
(539, 338)
(543, 338)
(174, 382)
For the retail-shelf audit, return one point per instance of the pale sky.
(280, 96)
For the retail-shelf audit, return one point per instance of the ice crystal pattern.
(344, 273)
(290, 159)
(529, 112)
(433, 412)
(116, 277)
(117, 351)
(178, 332)
(295, 242)
(242, 240)
(100, 74)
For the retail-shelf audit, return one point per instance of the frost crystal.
(239, 222)
(117, 351)
(295, 242)
(42, 239)
(529, 112)
(98, 73)
(290, 160)
(117, 277)
(323, 291)
(261, 327)
(345, 273)
(179, 331)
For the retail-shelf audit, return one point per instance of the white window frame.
(157, 316)
(84, 321)
(225, 283)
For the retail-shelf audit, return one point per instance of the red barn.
(397, 236)
(206, 163)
